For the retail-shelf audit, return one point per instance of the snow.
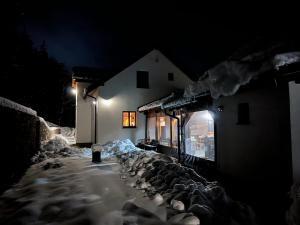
(190, 198)
(13, 105)
(156, 104)
(226, 78)
(286, 59)
(130, 186)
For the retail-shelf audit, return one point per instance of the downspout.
(146, 126)
(95, 109)
(178, 133)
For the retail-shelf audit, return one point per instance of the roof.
(156, 104)
(98, 76)
(173, 100)
(91, 74)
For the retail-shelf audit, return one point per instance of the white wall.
(120, 94)
(84, 116)
(295, 128)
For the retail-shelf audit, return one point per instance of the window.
(142, 79)
(170, 76)
(129, 119)
(243, 113)
(151, 133)
(174, 132)
(164, 132)
(199, 135)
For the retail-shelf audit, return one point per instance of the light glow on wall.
(107, 102)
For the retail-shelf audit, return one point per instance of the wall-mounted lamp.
(220, 108)
(74, 91)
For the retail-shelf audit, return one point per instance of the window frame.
(139, 77)
(128, 113)
(171, 76)
(183, 127)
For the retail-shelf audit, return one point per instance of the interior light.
(208, 116)
(94, 102)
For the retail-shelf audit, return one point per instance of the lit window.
(129, 119)
(199, 132)
(164, 134)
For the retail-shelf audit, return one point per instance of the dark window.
(129, 119)
(170, 76)
(142, 79)
(243, 113)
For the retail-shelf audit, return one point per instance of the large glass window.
(174, 132)
(199, 135)
(151, 128)
(164, 134)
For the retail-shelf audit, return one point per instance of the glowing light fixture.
(74, 91)
(95, 102)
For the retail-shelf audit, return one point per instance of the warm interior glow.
(162, 121)
(125, 119)
(129, 119)
(132, 119)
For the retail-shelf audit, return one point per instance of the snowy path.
(78, 192)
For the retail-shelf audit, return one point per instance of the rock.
(158, 199)
(190, 220)
(178, 205)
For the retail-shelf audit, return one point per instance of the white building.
(151, 77)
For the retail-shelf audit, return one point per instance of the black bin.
(96, 156)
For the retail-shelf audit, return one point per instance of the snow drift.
(189, 197)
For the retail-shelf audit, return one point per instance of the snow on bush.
(189, 196)
(54, 148)
(117, 148)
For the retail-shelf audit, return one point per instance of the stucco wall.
(84, 116)
(295, 128)
(259, 152)
(120, 94)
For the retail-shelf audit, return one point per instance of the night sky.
(113, 35)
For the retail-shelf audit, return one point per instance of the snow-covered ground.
(130, 186)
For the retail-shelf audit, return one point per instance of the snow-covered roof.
(15, 106)
(156, 104)
(182, 101)
(227, 77)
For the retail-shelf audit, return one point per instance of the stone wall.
(19, 141)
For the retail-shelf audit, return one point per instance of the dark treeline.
(32, 78)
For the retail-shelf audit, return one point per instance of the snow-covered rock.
(184, 191)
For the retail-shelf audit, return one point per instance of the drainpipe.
(95, 109)
(178, 133)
